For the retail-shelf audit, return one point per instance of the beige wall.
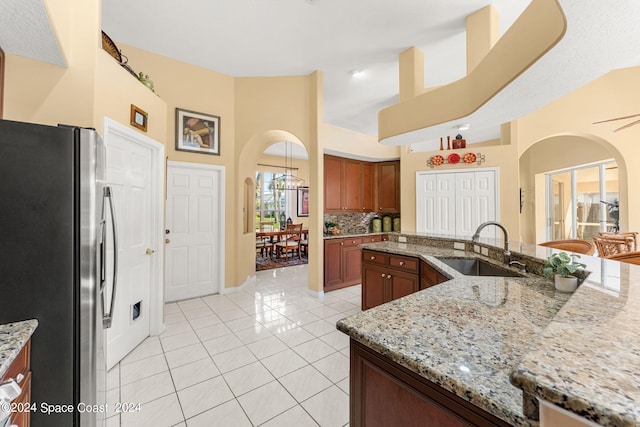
(348, 143)
(612, 95)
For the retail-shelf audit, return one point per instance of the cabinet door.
(332, 262)
(374, 284)
(351, 185)
(389, 186)
(332, 184)
(351, 261)
(402, 284)
(367, 187)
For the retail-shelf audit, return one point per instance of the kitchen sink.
(478, 267)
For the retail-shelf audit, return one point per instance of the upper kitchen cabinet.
(348, 185)
(388, 187)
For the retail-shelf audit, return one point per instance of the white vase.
(566, 284)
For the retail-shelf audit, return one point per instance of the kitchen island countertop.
(13, 337)
(486, 338)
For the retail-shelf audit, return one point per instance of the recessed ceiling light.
(464, 126)
(356, 74)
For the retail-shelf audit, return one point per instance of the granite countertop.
(13, 337)
(488, 338)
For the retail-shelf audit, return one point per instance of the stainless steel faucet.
(476, 236)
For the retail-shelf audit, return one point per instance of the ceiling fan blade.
(617, 118)
(627, 125)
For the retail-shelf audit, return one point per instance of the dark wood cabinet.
(332, 184)
(357, 186)
(386, 277)
(20, 370)
(429, 276)
(343, 261)
(383, 393)
(387, 184)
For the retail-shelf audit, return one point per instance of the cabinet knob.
(383, 275)
(372, 258)
(341, 243)
(353, 241)
(401, 263)
(19, 378)
(388, 276)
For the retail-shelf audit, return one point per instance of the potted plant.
(332, 227)
(562, 267)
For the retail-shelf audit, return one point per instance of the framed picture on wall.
(138, 118)
(197, 132)
(303, 201)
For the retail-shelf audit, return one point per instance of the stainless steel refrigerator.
(57, 226)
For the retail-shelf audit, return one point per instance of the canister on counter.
(396, 224)
(386, 223)
(376, 225)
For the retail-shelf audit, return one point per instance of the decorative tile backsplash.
(352, 223)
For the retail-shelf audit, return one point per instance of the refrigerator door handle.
(108, 317)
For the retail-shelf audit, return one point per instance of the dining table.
(276, 236)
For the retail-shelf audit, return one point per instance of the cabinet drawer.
(403, 263)
(374, 257)
(20, 364)
(372, 239)
(352, 241)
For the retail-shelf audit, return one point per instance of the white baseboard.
(316, 294)
(251, 280)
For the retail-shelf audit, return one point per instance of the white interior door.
(130, 172)
(455, 203)
(195, 224)
(435, 203)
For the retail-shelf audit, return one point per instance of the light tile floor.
(269, 355)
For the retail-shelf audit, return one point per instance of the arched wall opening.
(248, 160)
(558, 152)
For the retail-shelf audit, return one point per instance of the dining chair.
(291, 243)
(304, 246)
(572, 245)
(633, 234)
(613, 245)
(628, 257)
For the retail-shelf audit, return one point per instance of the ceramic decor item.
(376, 226)
(396, 224)
(386, 223)
(562, 267)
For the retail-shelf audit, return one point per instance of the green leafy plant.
(562, 264)
(330, 224)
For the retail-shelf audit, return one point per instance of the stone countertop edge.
(13, 337)
(585, 360)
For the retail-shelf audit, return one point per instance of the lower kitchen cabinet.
(343, 260)
(429, 276)
(383, 393)
(20, 371)
(386, 277)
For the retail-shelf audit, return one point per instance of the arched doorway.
(281, 198)
(547, 167)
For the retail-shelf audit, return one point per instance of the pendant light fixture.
(288, 181)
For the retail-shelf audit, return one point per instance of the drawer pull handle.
(401, 263)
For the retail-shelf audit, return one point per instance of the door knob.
(149, 251)
(167, 241)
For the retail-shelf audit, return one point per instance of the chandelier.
(287, 180)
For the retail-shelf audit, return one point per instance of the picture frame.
(138, 118)
(197, 132)
(303, 201)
